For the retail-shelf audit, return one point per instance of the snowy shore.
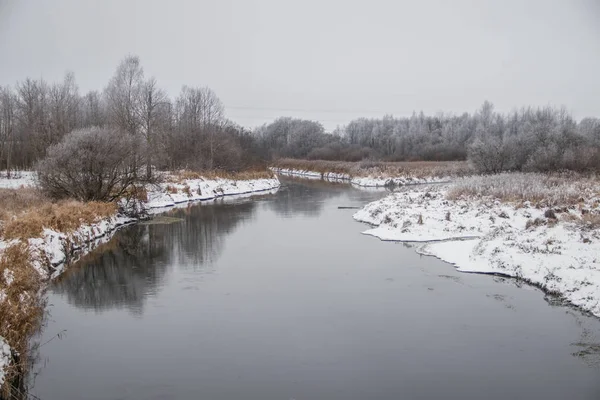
(52, 251)
(360, 181)
(554, 247)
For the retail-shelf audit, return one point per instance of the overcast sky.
(327, 60)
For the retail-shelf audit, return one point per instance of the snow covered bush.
(91, 164)
(489, 155)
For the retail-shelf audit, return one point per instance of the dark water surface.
(281, 297)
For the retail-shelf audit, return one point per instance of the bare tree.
(200, 116)
(63, 108)
(33, 113)
(92, 110)
(123, 95)
(151, 100)
(7, 126)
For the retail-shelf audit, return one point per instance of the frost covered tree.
(192, 131)
(92, 109)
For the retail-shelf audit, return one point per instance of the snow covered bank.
(169, 194)
(555, 247)
(360, 181)
(53, 248)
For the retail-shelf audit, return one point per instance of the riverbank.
(373, 174)
(38, 238)
(543, 229)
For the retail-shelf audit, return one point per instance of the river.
(280, 297)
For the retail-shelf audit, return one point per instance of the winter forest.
(192, 131)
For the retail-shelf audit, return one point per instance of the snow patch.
(18, 179)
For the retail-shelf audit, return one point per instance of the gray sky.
(327, 60)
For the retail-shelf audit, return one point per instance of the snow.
(327, 176)
(359, 181)
(163, 195)
(18, 179)
(562, 257)
(4, 358)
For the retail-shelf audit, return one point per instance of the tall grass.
(559, 189)
(26, 212)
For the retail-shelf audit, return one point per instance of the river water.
(280, 297)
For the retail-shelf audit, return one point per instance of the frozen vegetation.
(539, 228)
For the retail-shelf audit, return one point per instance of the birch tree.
(152, 101)
(123, 95)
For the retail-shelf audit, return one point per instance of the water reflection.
(133, 265)
(307, 198)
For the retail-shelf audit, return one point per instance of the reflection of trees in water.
(132, 266)
(303, 196)
(118, 274)
(199, 238)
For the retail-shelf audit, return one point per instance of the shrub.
(91, 164)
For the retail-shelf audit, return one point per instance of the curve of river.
(280, 297)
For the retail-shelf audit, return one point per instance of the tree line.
(190, 131)
(542, 139)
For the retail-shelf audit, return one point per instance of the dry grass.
(183, 175)
(64, 216)
(15, 201)
(416, 169)
(544, 190)
(138, 192)
(171, 189)
(22, 309)
(591, 221)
